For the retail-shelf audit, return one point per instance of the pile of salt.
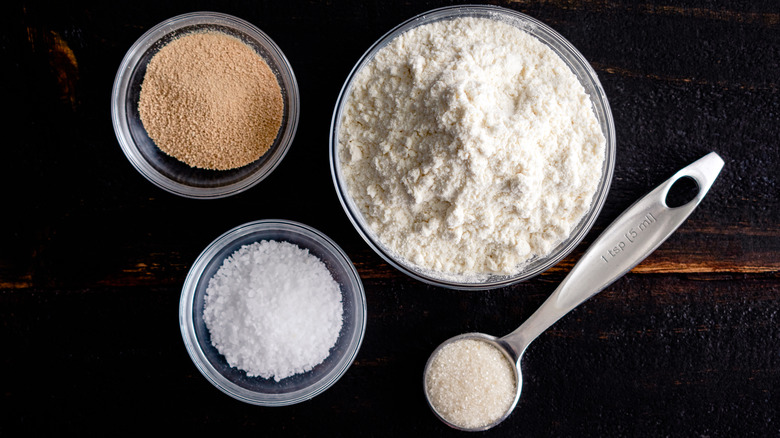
(273, 310)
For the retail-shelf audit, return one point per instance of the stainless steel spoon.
(627, 241)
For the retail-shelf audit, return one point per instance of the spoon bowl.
(515, 381)
(635, 234)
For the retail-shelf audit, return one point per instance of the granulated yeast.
(210, 101)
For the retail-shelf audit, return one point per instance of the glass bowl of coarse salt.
(272, 313)
(205, 105)
(472, 147)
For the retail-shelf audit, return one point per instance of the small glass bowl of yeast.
(168, 172)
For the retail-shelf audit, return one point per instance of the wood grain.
(93, 256)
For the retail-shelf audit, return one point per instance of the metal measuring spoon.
(636, 233)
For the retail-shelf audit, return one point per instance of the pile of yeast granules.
(210, 101)
(469, 147)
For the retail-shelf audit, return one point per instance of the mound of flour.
(469, 147)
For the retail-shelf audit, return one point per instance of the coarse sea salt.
(273, 310)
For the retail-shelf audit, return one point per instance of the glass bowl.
(257, 390)
(582, 70)
(167, 172)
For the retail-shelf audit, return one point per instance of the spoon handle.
(636, 233)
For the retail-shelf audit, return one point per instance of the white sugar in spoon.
(627, 241)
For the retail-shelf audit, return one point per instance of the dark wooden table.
(93, 256)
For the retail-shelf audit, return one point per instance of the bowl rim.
(121, 86)
(573, 59)
(189, 335)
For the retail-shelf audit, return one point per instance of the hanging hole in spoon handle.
(682, 192)
(635, 234)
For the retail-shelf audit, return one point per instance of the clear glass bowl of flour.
(167, 172)
(257, 390)
(599, 104)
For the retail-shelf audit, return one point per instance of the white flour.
(469, 147)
